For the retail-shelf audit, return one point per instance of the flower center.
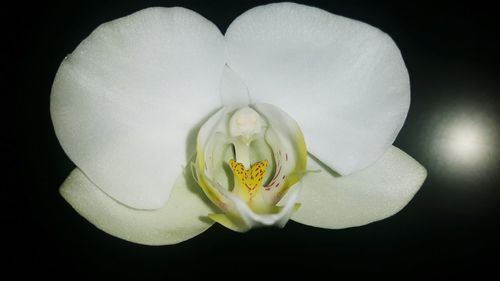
(249, 163)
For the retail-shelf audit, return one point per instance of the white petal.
(180, 219)
(343, 81)
(372, 194)
(125, 100)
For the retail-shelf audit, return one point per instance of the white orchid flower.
(129, 102)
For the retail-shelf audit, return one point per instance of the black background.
(449, 230)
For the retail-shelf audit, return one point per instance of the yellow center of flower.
(250, 180)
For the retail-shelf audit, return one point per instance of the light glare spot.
(463, 145)
(467, 142)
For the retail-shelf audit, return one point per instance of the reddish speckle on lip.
(286, 156)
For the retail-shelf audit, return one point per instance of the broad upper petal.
(344, 81)
(124, 102)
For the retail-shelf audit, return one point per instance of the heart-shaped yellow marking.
(252, 178)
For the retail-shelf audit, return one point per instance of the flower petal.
(344, 81)
(125, 100)
(179, 220)
(377, 192)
